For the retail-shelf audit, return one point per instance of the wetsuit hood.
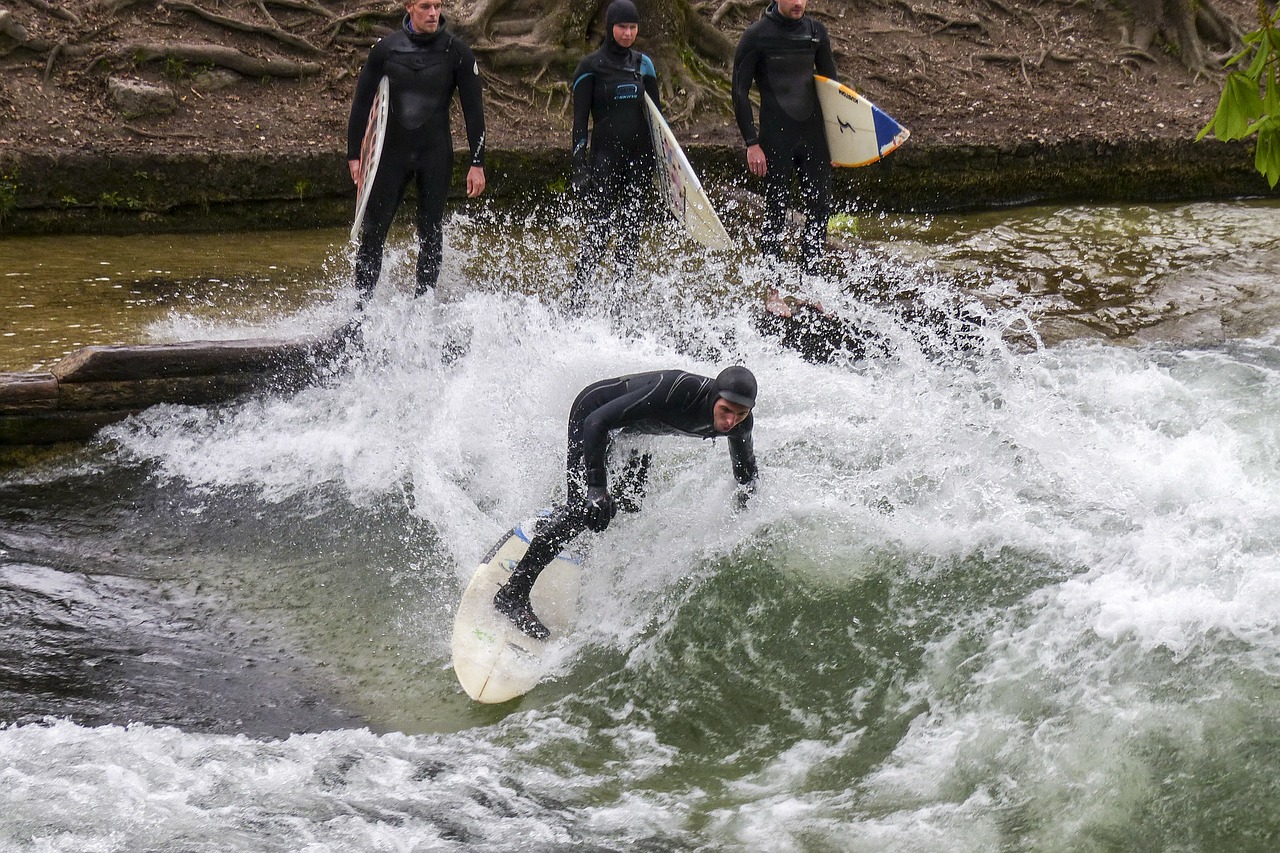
(620, 12)
(736, 384)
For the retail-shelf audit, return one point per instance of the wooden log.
(55, 427)
(195, 358)
(25, 392)
(140, 393)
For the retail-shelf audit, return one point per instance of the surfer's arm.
(742, 454)
(640, 402)
(649, 75)
(825, 63)
(583, 94)
(362, 102)
(745, 59)
(472, 98)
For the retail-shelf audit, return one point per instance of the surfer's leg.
(433, 190)
(596, 210)
(777, 186)
(384, 198)
(815, 190)
(385, 195)
(512, 598)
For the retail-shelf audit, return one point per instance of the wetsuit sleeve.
(745, 60)
(583, 94)
(742, 453)
(641, 401)
(471, 95)
(362, 101)
(824, 63)
(649, 75)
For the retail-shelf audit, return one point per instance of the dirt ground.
(992, 72)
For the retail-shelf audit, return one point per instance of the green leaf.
(1266, 156)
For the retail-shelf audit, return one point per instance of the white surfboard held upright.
(371, 152)
(858, 132)
(679, 186)
(494, 660)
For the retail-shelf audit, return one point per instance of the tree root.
(215, 54)
(730, 6)
(57, 11)
(304, 6)
(243, 26)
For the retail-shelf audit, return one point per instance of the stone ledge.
(83, 191)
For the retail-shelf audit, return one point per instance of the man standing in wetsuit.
(613, 171)
(662, 402)
(425, 64)
(780, 53)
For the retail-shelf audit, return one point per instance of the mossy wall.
(83, 192)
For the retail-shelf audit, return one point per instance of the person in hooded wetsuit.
(779, 54)
(661, 402)
(425, 64)
(613, 165)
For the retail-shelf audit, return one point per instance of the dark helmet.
(737, 385)
(621, 12)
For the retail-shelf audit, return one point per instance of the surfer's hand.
(756, 163)
(600, 508)
(475, 181)
(354, 166)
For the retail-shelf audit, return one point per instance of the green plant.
(175, 69)
(844, 222)
(301, 188)
(1250, 102)
(115, 201)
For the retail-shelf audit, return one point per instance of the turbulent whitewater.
(1022, 596)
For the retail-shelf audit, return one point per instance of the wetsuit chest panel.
(422, 83)
(788, 66)
(617, 107)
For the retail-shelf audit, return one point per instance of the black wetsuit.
(615, 173)
(663, 402)
(424, 72)
(780, 56)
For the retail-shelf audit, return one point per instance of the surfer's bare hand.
(354, 166)
(475, 181)
(756, 163)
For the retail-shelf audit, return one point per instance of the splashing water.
(1009, 598)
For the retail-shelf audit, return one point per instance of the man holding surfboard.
(780, 54)
(613, 164)
(424, 64)
(661, 402)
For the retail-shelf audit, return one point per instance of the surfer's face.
(725, 415)
(424, 15)
(793, 9)
(625, 34)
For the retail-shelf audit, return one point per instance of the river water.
(1024, 596)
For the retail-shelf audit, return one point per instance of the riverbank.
(155, 192)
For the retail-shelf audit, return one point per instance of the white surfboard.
(858, 132)
(371, 152)
(679, 185)
(494, 660)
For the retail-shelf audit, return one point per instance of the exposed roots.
(244, 26)
(213, 54)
